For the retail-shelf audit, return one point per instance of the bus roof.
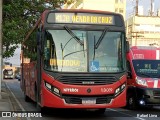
(145, 52)
(82, 10)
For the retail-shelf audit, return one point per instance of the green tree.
(18, 17)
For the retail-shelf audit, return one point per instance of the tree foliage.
(18, 17)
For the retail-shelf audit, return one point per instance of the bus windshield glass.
(147, 68)
(8, 72)
(83, 51)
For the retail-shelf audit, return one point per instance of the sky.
(130, 4)
(145, 3)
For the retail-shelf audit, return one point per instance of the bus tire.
(131, 102)
(27, 99)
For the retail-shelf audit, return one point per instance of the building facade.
(118, 6)
(143, 30)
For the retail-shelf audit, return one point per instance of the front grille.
(78, 99)
(87, 80)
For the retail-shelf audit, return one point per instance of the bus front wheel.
(26, 98)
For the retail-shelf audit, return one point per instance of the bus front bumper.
(48, 99)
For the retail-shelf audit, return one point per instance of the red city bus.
(144, 76)
(76, 59)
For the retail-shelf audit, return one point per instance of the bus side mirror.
(39, 42)
(127, 46)
(38, 38)
(40, 28)
(39, 35)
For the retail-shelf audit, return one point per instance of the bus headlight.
(56, 91)
(120, 89)
(53, 89)
(48, 85)
(117, 91)
(141, 82)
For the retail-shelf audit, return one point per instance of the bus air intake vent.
(87, 80)
(78, 99)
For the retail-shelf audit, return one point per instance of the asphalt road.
(68, 114)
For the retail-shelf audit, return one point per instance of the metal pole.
(136, 7)
(0, 47)
(151, 8)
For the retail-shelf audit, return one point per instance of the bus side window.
(49, 51)
(49, 48)
(129, 71)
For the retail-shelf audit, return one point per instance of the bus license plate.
(88, 101)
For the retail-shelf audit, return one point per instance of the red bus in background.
(143, 77)
(75, 59)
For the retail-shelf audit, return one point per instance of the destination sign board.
(80, 18)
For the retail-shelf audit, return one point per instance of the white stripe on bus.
(157, 55)
(155, 84)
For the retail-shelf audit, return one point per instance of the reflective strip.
(155, 84)
(157, 54)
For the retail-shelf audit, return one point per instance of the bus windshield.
(147, 68)
(8, 72)
(77, 51)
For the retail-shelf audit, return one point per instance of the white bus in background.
(8, 73)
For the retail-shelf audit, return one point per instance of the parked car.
(18, 76)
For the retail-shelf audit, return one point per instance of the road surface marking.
(126, 114)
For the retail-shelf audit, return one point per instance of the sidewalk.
(5, 103)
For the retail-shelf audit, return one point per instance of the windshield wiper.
(146, 75)
(155, 76)
(101, 37)
(151, 76)
(73, 35)
(72, 53)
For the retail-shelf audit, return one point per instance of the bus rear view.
(143, 77)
